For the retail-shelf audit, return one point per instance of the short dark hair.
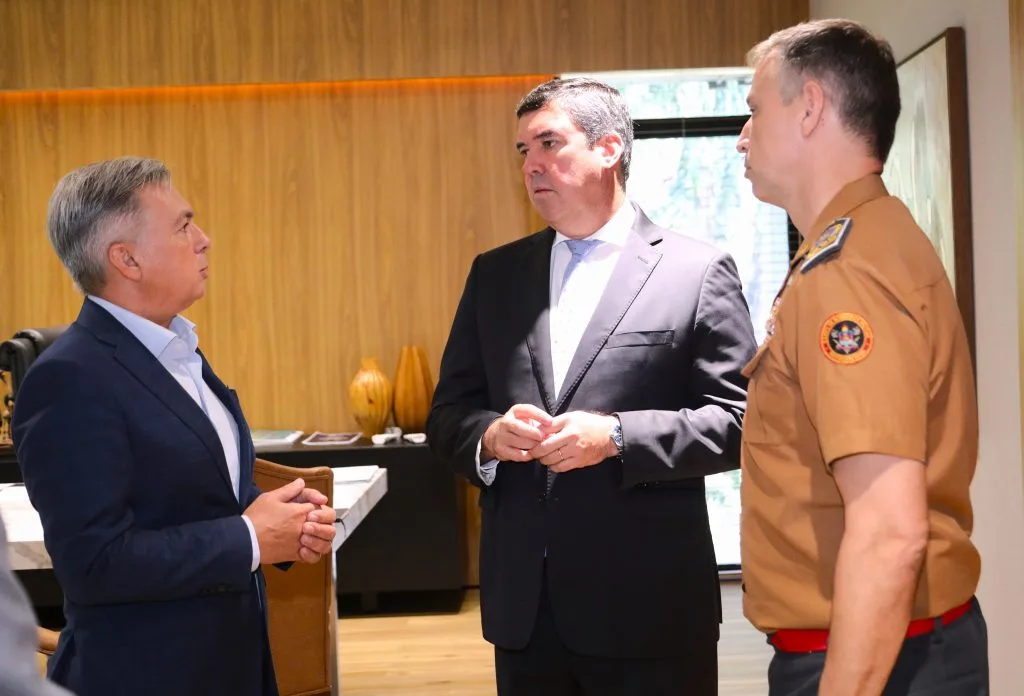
(595, 108)
(856, 67)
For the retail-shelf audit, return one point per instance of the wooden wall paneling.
(344, 219)
(34, 292)
(63, 44)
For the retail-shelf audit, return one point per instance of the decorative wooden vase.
(370, 397)
(414, 389)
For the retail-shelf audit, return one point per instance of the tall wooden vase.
(414, 389)
(370, 398)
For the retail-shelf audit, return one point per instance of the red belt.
(815, 640)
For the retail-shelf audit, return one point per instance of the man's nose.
(532, 165)
(743, 142)
(203, 242)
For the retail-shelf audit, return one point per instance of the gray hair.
(595, 108)
(86, 204)
(857, 69)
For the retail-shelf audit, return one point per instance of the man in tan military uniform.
(861, 431)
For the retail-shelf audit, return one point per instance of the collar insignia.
(827, 244)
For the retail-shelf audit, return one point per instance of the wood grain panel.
(64, 44)
(344, 218)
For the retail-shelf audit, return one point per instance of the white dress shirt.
(573, 307)
(177, 350)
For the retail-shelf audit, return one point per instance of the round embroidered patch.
(846, 338)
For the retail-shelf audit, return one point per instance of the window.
(688, 177)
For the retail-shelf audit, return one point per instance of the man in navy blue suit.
(140, 462)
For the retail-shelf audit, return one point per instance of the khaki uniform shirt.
(866, 353)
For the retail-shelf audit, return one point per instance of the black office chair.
(19, 352)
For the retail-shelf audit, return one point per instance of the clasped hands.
(571, 440)
(292, 523)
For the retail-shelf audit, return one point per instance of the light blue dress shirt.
(613, 234)
(177, 350)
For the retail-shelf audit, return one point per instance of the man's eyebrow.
(543, 135)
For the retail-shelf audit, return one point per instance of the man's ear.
(812, 97)
(120, 257)
(610, 146)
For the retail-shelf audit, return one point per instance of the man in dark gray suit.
(19, 675)
(590, 382)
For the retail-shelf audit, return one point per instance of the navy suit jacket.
(629, 557)
(144, 531)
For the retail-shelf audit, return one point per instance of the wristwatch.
(617, 435)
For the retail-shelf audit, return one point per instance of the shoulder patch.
(846, 338)
(828, 243)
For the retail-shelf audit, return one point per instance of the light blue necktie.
(579, 249)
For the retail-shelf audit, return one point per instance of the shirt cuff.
(255, 544)
(487, 470)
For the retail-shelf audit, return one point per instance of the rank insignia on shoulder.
(828, 243)
(846, 338)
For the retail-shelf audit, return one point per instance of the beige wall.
(998, 489)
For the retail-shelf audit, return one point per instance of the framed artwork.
(929, 165)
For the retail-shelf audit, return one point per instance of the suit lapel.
(147, 369)
(538, 308)
(140, 362)
(635, 265)
(229, 398)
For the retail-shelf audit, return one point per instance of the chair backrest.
(300, 611)
(300, 600)
(19, 352)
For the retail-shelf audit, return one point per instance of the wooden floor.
(444, 654)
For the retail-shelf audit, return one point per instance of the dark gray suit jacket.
(630, 560)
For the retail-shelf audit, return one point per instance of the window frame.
(703, 127)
